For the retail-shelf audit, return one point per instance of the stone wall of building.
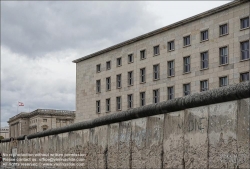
(4, 132)
(39, 120)
(205, 136)
(87, 75)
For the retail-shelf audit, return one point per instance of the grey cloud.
(35, 28)
(35, 83)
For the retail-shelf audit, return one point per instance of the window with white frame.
(143, 75)
(108, 105)
(130, 58)
(156, 50)
(119, 81)
(156, 72)
(204, 35)
(244, 46)
(204, 85)
(142, 98)
(171, 68)
(223, 29)
(130, 78)
(186, 64)
(186, 89)
(98, 68)
(108, 83)
(156, 96)
(170, 45)
(143, 54)
(223, 81)
(204, 60)
(98, 106)
(108, 65)
(130, 101)
(98, 86)
(244, 77)
(186, 40)
(224, 55)
(244, 23)
(118, 103)
(119, 61)
(170, 93)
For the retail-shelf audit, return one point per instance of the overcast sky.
(39, 40)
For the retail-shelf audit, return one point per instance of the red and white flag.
(20, 104)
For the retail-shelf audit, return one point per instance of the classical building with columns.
(203, 52)
(39, 120)
(4, 132)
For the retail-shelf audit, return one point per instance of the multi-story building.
(4, 132)
(39, 120)
(203, 52)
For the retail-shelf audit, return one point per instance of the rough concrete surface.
(195, 137)
(173, 143)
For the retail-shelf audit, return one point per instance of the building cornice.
(164, 29)
(49, 112)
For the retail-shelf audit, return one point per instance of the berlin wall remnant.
(202, 136)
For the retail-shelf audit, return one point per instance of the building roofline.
(163, 29)
(51, 112)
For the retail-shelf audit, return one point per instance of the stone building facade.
(203, 52)
(39, 120)
(4, 131)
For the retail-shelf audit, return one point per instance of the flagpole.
(17, 108)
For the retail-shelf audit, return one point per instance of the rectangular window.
(204, 35)
(244, 47)
(143, 75)
(143, 54)
(130, 58)
(170, 93)
(223, 29)
(156, 96)
(130, 78)
(156, 50)
(98, 68)
(142, 98)
(156, 72)
(44, 120)
(171, 68)
(244, 77)
(119, 81)
(108, 65)
(223, 81)
(98, 86)
(119, 62)
(170, 45)
(186, 65)
(244, 23)
(98, 106)
(204, 60)
(118, 103)
(108, 83)
(186, 89)
(108, 105)
(204, 85)
(223, 55)
(130, 101)
(186, 41)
